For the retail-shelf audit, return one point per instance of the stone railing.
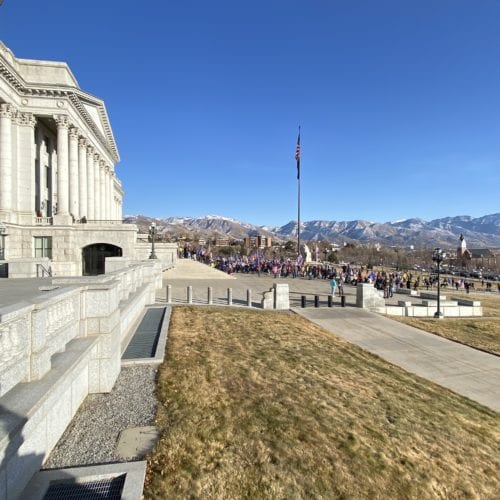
(55, 320)
(15, 343)
(43, 221)
(64, 344)
(100, 222)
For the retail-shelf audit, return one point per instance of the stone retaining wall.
(63, 345)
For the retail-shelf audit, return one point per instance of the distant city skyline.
(398, 103)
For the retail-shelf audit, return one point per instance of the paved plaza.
(190, 273)
(464, 370)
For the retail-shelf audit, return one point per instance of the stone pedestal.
(368, 297)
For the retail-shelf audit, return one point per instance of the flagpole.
(297, 157)
(298, 219)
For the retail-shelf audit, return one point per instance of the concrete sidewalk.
(464, 370)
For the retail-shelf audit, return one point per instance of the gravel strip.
(92, 436)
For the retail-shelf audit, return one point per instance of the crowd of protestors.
(387, 281)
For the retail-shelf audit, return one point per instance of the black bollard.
(316, 301)
(342, 300)
(330, 301)
(303, 301)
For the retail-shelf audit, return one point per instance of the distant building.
(258, 241)
(483, 257)
(221, 242)
(475, 257)
(463, 254)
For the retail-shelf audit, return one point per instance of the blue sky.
(399, 102)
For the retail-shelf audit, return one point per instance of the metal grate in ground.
(109, 489)
(143, 343)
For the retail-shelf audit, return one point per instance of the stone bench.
(431, 295)
(467, 302)
(406, 291)
(443, 303)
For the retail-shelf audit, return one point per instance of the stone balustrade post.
(209, 296)
(189, 294)
(169, 294)
(249, 298)
(102, 313)
(229, 296)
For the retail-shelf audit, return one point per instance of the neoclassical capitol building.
(60, 198)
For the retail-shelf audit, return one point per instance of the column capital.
(7, 110)
(26, 119)
(102, 164)
(62, 121)
(73, 133)
(90, 150)
(82, 143)
(96, 157)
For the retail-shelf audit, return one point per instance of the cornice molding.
(75, 96)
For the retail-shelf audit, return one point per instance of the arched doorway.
(93, 257)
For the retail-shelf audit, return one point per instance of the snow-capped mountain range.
(479, 232)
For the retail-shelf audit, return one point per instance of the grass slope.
(267, 405)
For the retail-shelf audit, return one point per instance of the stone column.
(102, 188)
(90, 184)
(62, 165)
(97, 189)
(106, 192)
(110, 193)
(73, 173)
(82, 177)
(25, 169)
(6, 113)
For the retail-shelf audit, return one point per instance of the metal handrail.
(42, 271)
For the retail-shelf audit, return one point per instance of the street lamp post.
(152, 233)
(437, 256)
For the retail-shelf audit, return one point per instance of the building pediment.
(55, 79)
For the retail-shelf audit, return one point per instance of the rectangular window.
(43, 246)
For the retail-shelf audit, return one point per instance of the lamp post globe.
(438, 256)
(152, 234)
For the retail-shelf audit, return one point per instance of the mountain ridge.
(481, 231)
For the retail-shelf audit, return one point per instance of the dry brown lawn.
(480, 333)
(256, 404)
